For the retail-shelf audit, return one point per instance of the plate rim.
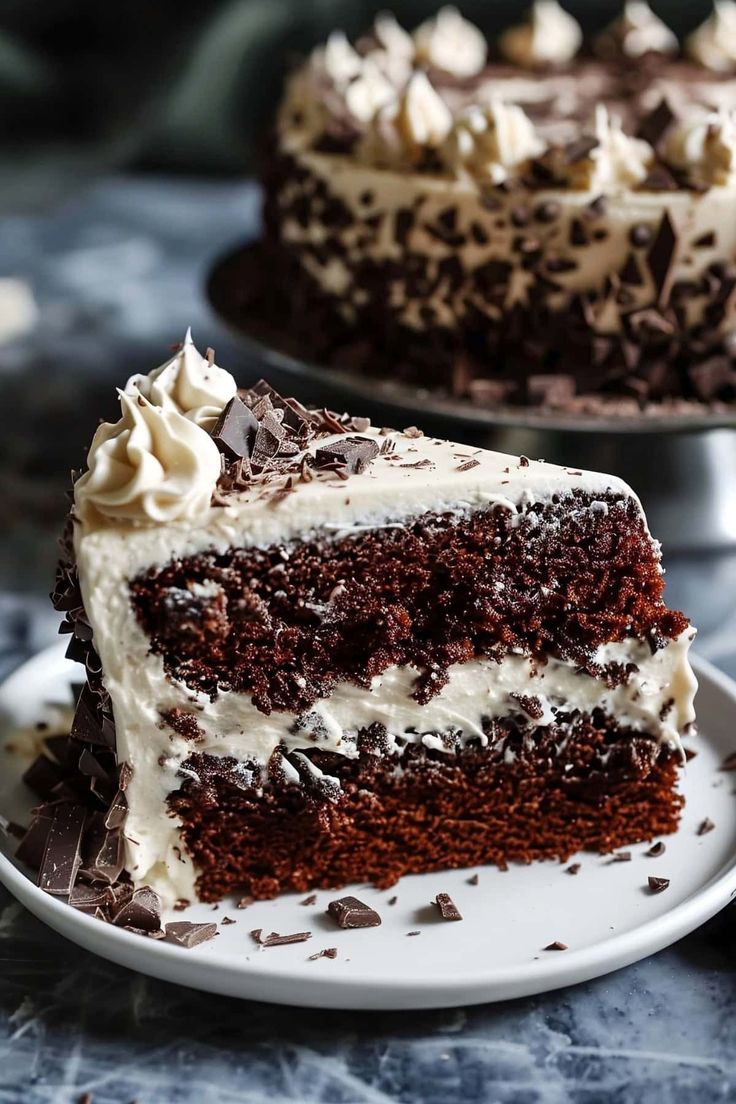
(247, 980)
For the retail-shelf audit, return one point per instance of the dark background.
(185, 85)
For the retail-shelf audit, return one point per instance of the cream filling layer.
(657, 700)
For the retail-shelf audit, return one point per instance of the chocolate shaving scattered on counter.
(729, 763)
(310, 900)
(656, 850)
(690, 754)
(245, 902)
(705, 826)
(392, 900)
(657, 885)
(467, 465)
(574, 868)
(556, 946)
(328, 952)
(474, 879)
(349, 912)
(256, 934)
(620, 856)
(414, 933)
(447, 907)
(227, 920)
(185, 934)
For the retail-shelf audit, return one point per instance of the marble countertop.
(117, 271)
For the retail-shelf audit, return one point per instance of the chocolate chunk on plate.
(349, 912)
(186, 934)
(447, 907)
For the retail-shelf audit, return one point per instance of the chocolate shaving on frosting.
(352, 454)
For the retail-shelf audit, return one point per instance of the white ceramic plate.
(605, 914)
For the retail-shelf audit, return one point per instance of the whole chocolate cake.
(539, 221)
(318, 652)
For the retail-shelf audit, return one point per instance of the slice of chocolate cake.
(318, 652)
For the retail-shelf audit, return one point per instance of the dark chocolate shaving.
(142, 911)
(349, 912)
(657, 885)
(186, 934)
(654, 125)
(656, 850)
(661, 255)
(447, 907)
(235, 430)
(705, 827)
(556, 946)
(62, 855)
(276, 940)
(351, 454)
(328, 952)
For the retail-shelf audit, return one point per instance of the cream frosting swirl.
(401, 132)
(550, 36)
(713, 43)
(154, 465)
(705, 145)
(337, 59)
(616, 160)
(369, 92)
(636, 32)
(188, 383)
(451, 43)
(491, 142)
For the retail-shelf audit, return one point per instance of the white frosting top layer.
(418, 474)
(450, 43)
(549, 37)
(714, 43)
(488, 142)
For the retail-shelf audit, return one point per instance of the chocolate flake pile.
(263, 438)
